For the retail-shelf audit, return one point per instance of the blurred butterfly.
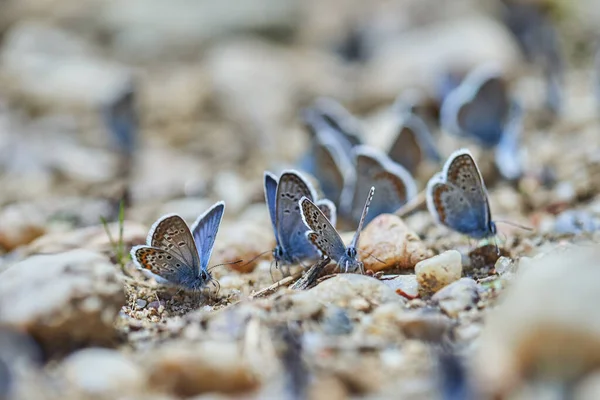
(394, 184)
(324, 236)
(334, 132)
(175, 255)
(508, 152)
(282, 200)
(538, 39)
(413, 144)
(457, 198)
(478, 108)
(121, 118)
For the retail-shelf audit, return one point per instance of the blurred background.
(217, 88)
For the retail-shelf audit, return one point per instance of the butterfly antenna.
(370, 255)
(362, 217)
(527, 228)
(252, 260)
(229, 263)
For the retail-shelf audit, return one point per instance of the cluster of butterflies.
(304, 226)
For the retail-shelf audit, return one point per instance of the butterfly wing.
(291, 188)
(121, 119)
(363, 217)
(171, 234)
(508, 152)
(405, 150)
(457, 197)
(322, 234)
(204, 231)
(394, 184)
(483, 117)
(328, 209)
(329, 157)
(270, 198)
(161, 265)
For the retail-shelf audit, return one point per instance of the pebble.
(343, 290)
(458, 296)
(20, 225)
(64, 300)
(187, 370)
(388, 243)
(103, 372)
(438, 271)
(424, 325)
(549, 316)
(140, 303)
(404, 285)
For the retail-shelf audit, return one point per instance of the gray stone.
(458, 296)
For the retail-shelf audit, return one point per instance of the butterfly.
(334, 132)
(175, 255)
(324, 236)
(413, 144)
(394, 184)
(121, 119)
(457, 198)
(282, 200)
(508, 152)
(479, 107)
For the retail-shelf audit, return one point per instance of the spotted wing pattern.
(171, 234)
(458, 199)
(322, 233)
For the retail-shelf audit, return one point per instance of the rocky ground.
(437, 316)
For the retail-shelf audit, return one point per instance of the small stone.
(140, 303)
(404, 285)
(63, 300)
(187, 371)
(424, 325)
(20, 225)
(388, 243)
(458, 296)
(505, 266)
(343, 290)
(438, 271)
(104, 372)
(547, 324)
(156, 304)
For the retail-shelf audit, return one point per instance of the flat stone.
(103, 372)
(63, 300)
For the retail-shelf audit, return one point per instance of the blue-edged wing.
(282, 198)
(457, 197)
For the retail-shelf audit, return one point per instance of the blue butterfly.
(282, 200)
(334, 132)
(413, 144)
(457, 198)
(324, 236)
(175, 255)
(508, 152)
(394, 184)
(121, 118)
(479, 107)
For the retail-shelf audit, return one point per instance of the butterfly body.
(282, 198)
(324, 236)
(176, 255)
(457, 197)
